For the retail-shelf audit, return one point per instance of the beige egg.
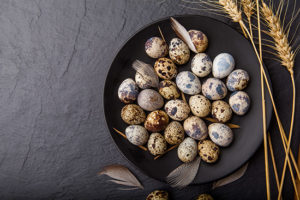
(157, 144)
(156, 121)
(168, 90)
(143, 82)
(179, 52)
(200, 105)
(187, 150)
(177, 109)
(174, 133)
(221, 111)
(156, 47)
(199, 39)
(208, 151)
(165, 68)
(150, 100)
(136, 134)
(133, 114)
(195, 128)
(158, 195)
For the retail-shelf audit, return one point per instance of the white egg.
(188, 83)
(220, 134)
(136, 134)
(223, 64)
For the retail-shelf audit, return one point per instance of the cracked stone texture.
(54, 56)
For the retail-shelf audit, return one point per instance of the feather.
(182, 33)
(231, 178)
(183, 175)
(122, 176)
(146, 71)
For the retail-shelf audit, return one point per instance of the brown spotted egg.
(188, 83)
(174, 133)
(195, 128)
(201, 65)
(165, 68)
(157, 144)
(156, 121)
(200, 105)
(136, 134)
(133, 114)
(187, 150)
(237, 80)
(179, 52)
(150, 100)
(158, 195)
(214, 89)
(220, 134)
(156, 47)
(168, 90)
(208, 151)
(221, 111)
(177, 109)
(128, 91)
(199, 39)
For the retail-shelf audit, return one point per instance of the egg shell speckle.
(220, 134)
(136, 134)
(179, 52)
(199, 39)
(150, 100)
(157, 144)
(156, 121)
(188, 83)
(214, 89)
(201, 65)
(155, 47)
(187, 150)
(223, 64)
(174, 133)
(239, 102)
(177, 109)
(200, 105)
(195, 128)
(143, 82)
(208, 151)
(128, 91)
(165, 68)
(237, 80)
(168, 90)
(158, 195)
(133, 114)
(205, 197)
(221, 111)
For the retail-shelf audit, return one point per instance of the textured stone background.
(54, 56)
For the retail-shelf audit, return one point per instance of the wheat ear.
(248, 7)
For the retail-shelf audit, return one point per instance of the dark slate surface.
(54, 56)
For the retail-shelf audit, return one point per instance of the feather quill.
(146, 71)
(122, 176)
(183, 175)
(183, 34)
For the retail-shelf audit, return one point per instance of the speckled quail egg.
(220, 134)
(156, 47)
(201, 65)
(223, 64)
(157, 144)
(128, 91)
(179, 52)
(200, 105)
(214, 89)
(150, 100)
(187, 150)
(177, 109)
(158, 195)
(188, 83)
(174, 133)
(133, 114)
(239, 102)
(143, 82)
(199, 39)
(156, 121)
(168, 90)
(237, 80)
(208, 151)
(205, 197)
(195, 128)
(136, 134)
(165, 68)
(221, 111)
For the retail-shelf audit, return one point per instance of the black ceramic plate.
(222, 38)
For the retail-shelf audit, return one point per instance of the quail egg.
(237, 80)
(205, 197)
(220, 134)
(239, 102)
(156, 121)
(195, 128)
(142, 81)
(199, 39)
(187, 150)
(128, 91)
(177, 109)
(150, 100)
(136, 134)
(168, 90)
(200, 105)
(201, 65)
(156, 47)
(188, 83)
(157, 144)
(214, 89)
(133, 114)
(174, 133)
(165, 68)
(221, 111)
(208, 151)
(223, 64)
(179, 52)
(158, 195)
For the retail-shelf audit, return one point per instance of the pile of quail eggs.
(170, 119)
